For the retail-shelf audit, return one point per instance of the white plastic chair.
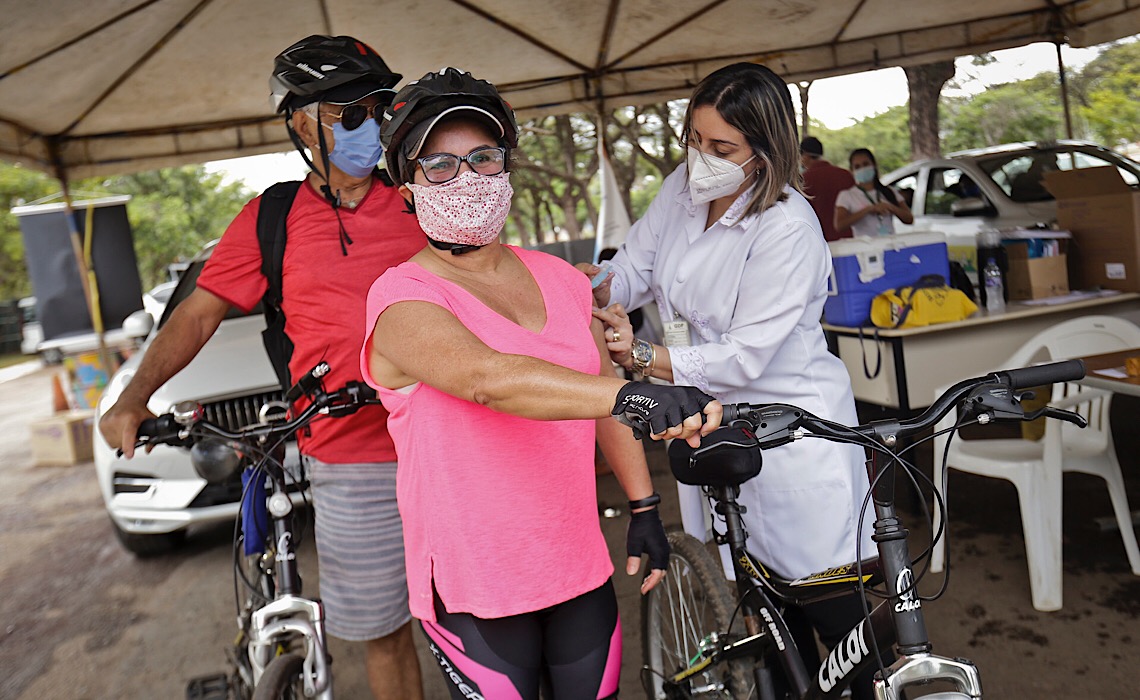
(1035, 467)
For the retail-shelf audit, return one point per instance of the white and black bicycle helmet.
(420, 104)
(336, 69)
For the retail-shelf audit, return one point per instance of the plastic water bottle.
(995, 292)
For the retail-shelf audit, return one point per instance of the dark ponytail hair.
(883, 190)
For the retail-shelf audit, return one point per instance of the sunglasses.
(354, 115)
(444, 167)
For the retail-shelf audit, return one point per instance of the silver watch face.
(642, 353)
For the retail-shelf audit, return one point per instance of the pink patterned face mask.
(469, 210)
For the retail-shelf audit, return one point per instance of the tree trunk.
(804, 87)
(925, 83)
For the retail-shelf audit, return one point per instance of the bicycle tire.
(692, 601)
(282, 679)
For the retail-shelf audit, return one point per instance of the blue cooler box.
(863, 267)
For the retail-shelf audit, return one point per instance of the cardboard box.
(63, 439)
(1103, 214)
(1036, 278)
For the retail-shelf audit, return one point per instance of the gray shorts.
(360, 549)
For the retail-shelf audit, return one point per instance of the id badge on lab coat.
(676, 333)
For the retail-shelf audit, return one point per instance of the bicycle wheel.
(282, 679)
(692, 602)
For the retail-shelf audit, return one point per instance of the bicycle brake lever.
(138, 444)
(1060, 414)
(995, 400)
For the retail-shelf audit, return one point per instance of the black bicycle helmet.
(318, 67)
(422, 102)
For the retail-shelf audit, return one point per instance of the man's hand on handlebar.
(120, 425)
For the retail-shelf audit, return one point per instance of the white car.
(153, 498)
(998, 187)
(31, 332)
(154, 301)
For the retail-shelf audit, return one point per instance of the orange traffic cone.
(59, 401)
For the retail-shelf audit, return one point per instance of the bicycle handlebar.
(773, 423)
(1067, 371)
(174, 428)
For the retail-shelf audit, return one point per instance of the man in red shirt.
(346, 226)
(823, 182)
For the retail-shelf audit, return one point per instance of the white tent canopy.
(104, 86)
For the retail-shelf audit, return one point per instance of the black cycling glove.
(646, 535)
(641, 404)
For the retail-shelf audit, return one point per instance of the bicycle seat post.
(753, 607)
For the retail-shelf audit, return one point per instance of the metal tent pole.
(1064, 92)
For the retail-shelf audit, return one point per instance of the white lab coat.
(752, 292)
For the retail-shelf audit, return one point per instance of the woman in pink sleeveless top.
(492, 368)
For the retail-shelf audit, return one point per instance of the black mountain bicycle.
(694, 646)
(280, 648)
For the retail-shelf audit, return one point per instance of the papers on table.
(1070, 297)
(1114, 372)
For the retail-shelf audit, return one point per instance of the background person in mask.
(870, 207)
(494, 371)
(736, 260)
(344, 226)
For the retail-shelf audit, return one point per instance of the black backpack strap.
(925, 282)
(271, 235)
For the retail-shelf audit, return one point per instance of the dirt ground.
(81, 619)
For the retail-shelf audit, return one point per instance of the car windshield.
(187, 283)
(1020, 174)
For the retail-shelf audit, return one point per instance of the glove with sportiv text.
(640, 404)
(646, 535)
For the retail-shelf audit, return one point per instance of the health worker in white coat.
(736, 260)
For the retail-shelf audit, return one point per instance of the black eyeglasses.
(444, 167)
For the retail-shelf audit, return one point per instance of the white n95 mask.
(712, 177)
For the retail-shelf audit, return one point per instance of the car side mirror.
(972, 206)
(138, 324)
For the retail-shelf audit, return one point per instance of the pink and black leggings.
(572, 651)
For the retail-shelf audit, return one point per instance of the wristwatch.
(643, 354)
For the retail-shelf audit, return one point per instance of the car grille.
(237, 413)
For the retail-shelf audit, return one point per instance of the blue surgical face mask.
(864, 175)
(358, 151)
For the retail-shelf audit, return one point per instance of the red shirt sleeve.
(233, 272)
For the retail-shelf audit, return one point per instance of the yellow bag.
(927, 302)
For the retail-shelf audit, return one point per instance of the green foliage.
(1104, 99)
(173, 212)
(1027, 110)
(18, 185)
(1109, 92)
(554, 175)
(887, 135)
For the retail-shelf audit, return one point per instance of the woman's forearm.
(533, 388)
(844, 219)
(626, 458)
